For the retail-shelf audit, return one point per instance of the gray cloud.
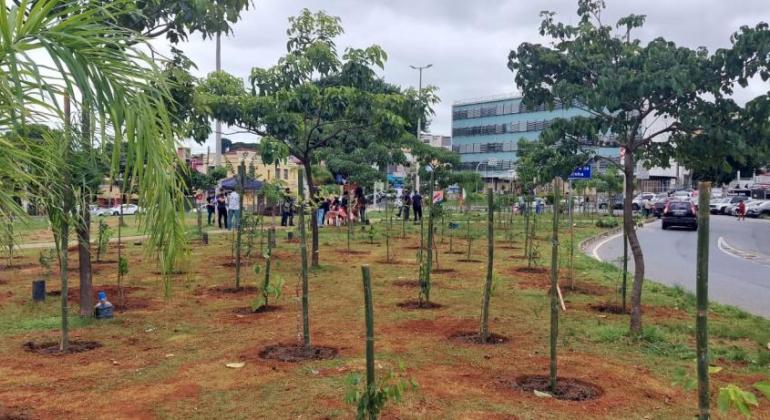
(467, 41)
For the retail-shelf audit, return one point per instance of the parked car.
(719, 206)
(128, 210)
(636, 204)
(682, 195)
(682, 213)
(762, 209)
(617, 204)
(101, 211)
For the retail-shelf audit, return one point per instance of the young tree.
(106, 67)
(490, 264)
(630, 92)
(313, 101)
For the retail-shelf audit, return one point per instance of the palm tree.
(78, 55)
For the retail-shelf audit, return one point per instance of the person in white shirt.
(233, 210)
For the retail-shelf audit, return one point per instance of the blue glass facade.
(490, 129)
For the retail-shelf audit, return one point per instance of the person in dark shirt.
(287, 209)
(323, 210)
(211, 207)
(222, 211)
(406, 203)
(417, 206)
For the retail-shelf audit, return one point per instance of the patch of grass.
(48, 323)
(609, 333)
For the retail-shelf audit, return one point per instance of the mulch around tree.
(569, 389)
(474, 337)
(416, 304)
(247, 311)
(465, 260)
(443, 270)
(610, 308)
(296, 353)
(52, 348)
(456, 253)
(513, 247)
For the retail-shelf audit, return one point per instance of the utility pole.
(419, 124)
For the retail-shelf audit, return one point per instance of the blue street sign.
(581, 172)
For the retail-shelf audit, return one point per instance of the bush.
(607, 222)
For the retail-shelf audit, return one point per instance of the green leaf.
(764, 388)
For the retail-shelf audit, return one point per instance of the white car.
(128, 210)
(762, 209)
(636, 204)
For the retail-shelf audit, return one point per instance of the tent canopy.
(231, 183)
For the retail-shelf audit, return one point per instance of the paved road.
(739, 262)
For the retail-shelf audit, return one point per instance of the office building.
(486, 132)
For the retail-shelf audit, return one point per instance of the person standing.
(417, 206)
(287, 209)
(406, 203)
(361, 204)
(221, 211)
(323, 208)
(234, 210)
(211, 208)
(741, 211)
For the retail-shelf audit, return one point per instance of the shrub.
(607, 222)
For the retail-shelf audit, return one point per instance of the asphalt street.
(739, 260)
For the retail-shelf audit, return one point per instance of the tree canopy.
(317, 104)
(636, 95)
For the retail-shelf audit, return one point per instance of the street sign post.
(581, 172)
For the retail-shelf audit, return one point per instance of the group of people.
(332, 210)
(226, 207)
(409, 200)
(335, 211)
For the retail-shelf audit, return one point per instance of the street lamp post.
(419, 123)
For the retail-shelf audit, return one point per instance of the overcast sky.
(467, 41)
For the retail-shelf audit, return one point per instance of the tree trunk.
(490, 262)
(268, 262)
(701, 287)
(83, 230)
(313, 216)
(303, 255)
(633, 241)
(371, 384)
(63, 272)
(527, 210)
(554, 283)
(239, 230)
(430, 238)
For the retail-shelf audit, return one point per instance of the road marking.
(595, 251)
(735, 252)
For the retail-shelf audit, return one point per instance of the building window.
(277, 173)
(285, 174)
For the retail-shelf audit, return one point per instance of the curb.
(586, 244)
